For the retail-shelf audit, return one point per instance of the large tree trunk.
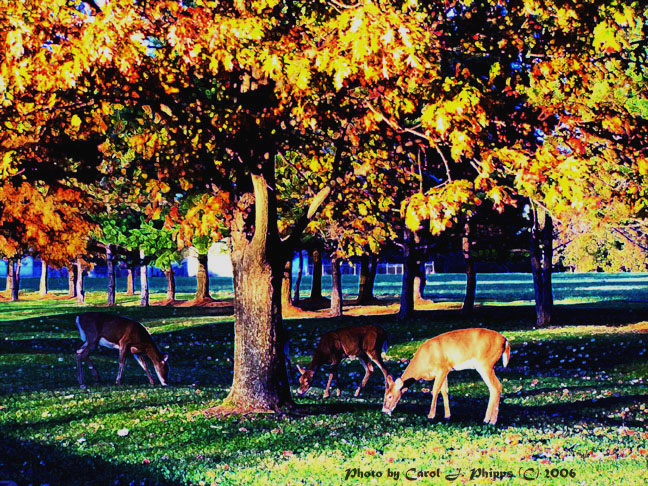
(171, 290)
(110, 263)
(471, 276)
(368, 266)
(43, 279)
(144, 295)
(260, 378)
(409, 273)
(72, 272)
(541, 265)
(202, 279)
(295, 298)
(13, 278)
(316, 289)
(130, 280)
(336, 288)
(80, 291)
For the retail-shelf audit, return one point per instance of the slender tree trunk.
(541, 265)
(419, 282)
(80, 292)
(368, 266)
(130, 281)
(286, 285)
(110, 263)
(171, 290)
(409, 273)
(202, 279)
(471, 276)
(260, 378)
(43, 278)
(9, 278)
(295, 299)
(13, 278)
(72, 272)
(144, 295)
(316, 289)
(336, 288)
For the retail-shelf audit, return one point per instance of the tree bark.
(80, 292)
(471, 276)
(316, 289)
(43, 278)
(419, 282)
(110, 263)
(295, 298)
(368, 266)
(336, 288)
(260, 379)
(130, 281)
(72, 272)
(144, 294)
(286, 285)
(171, 290)
(202, 279)
(13, 278)
(541, 265)
(406, 310)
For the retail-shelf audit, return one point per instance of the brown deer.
(126, 335)
(477, 349)
(365, 342)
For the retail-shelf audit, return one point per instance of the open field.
(574, 406)
(500, 287)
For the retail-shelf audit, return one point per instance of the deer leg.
(377, 358)
(495, 391)
(328, 385)
(122, 361)
(81, 353)
(438, 383)
(368, 370)
(93, 368)
(142, 363)
(446, 401)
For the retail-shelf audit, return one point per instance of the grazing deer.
(364, 342)
(463, 349)
(120, 333)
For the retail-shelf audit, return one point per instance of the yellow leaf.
(75, 121)
(166, 109)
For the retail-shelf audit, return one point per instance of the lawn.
(574, 406)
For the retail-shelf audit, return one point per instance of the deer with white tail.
(126, 335)
(475, 348)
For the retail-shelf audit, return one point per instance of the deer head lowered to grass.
(462, 349)
(126, 335)
(365, 342)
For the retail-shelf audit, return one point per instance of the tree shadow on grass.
(30, 462)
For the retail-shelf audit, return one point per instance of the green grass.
(575, 401)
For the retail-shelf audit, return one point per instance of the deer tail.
(506, 354)
(78, 323)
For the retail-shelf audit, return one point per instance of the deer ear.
(164, 358)
(300, 369)
(403, 390)
(390, 380)
(398, 383)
